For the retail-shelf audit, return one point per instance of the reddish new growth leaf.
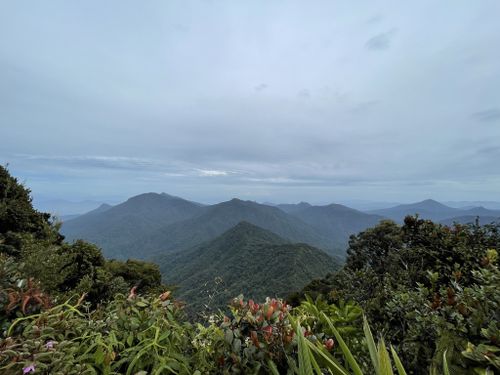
(132, 293)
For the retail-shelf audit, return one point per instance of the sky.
(274, 101)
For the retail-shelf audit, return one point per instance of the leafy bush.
(128, 335)
(428, 288)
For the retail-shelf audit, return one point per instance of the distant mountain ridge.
(433, 210)
(471, 219)
(337, 220)
(292, 208)
(248, 260)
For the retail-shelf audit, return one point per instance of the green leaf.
(333, 364)
(384, 359)
(229, 336)
(446, 370)
(272, 367)
(372, 348)
(99, 356)
(397, 361)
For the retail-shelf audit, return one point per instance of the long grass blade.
(372, 347)
(446, 370)
(384, 359)
(335, 367)
(273, 368)
(397, 362)
(347, 353)
(305, 365)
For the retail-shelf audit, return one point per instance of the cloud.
(364, 107)
(282, 101)
(304, 94)
(487, 115)
(489, 152)
(211, 173)
(381, 41)
(261, 87)
(375, 19)
(100, 162)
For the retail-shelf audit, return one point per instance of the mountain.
(246, 259)
(102, 208)
(367, 205)
(480, 211)
(218, 218)
(491, 205)
(113, 227)
(65, 218)
(292, 208)
(427, 209)
(470, 219)
(433, 210)
(337, 221)
(61, 207)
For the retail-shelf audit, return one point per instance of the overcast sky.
(265, 100)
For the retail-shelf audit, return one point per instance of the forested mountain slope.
(112, 228)
(335, 220)
(245, 259)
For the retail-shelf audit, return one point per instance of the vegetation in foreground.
(432, 292)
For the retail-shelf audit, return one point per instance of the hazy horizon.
(267, 101)
(67, 207)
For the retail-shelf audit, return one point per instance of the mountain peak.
(304, 204)
(430, 201)
(247, 228)
(103, 207)
(430, 204)
(245, 233)
(237, 202)
(144, 197)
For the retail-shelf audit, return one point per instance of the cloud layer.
(261, 100)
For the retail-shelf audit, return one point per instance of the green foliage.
(18, 295)
(126, 336)
(255, 335)
(146, 276)
(431, 289)
(151, 335)
(18, 216)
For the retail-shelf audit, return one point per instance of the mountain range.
(150, 224)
